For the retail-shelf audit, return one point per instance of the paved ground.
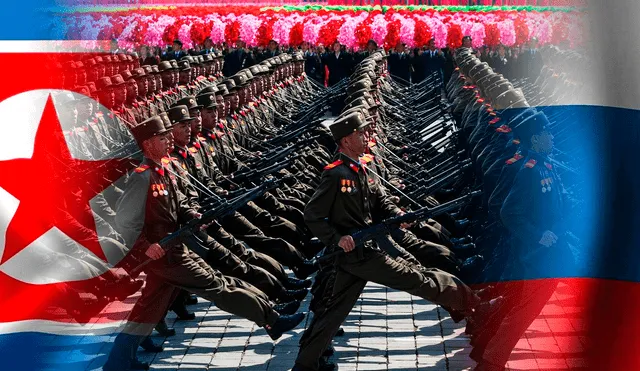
(387, 330)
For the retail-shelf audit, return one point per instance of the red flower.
(232, 32)
(454, 36)
(295, 35)
(363, 34)
(492, 35)
(393, 34)
(422, 33)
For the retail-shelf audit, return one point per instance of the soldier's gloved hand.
(548, 239)
(155, 251)
(347, 243)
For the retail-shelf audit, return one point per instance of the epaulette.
(333, 164)
(193, 149)
(503, 129)
(531, 163)
(202, 139)
(141, 168)
(366, 159)
(165, 160)
(516, 141)
(517, 157)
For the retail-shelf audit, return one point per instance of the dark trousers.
(353, 273)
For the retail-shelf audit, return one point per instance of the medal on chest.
(546, 184)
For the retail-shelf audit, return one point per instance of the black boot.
(290, 295)
(293, 283)
(191, 300)
(287, 308)
(163, 329)
(183, 313)
(149, 346)
(305, 269)
(284, 324)
(138, 365)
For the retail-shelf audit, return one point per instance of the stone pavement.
(386, 330)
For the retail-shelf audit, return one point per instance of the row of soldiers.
(199, 132)
(204, 139)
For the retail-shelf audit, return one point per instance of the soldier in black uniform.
(150, 209)
(345, 202)
(533, 214)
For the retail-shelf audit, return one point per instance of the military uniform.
(346, 201)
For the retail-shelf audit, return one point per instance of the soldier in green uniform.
(344, 203)
(150, 209)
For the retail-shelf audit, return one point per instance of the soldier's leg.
(189, 272)
(147, 312)
(220, 258)
(272, 225)
(534, 296)
(248, 256)
(429, 254)
(431, 284)
(327, 320)
(427, 232)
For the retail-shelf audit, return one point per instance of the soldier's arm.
(384, 203)
(317, 211)
(185, 211)
(130, 210)
(516, 208)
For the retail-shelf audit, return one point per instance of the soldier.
(149, 210)
(533, 214)
(345, 202)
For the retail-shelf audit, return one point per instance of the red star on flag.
(54, 189)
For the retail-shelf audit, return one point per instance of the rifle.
(380, 231)
(215, 211)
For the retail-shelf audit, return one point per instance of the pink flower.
(477, 35)
(507, 33)
(379, 29)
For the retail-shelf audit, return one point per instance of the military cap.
(147, 69)
(179, 113)
(108, 58)
(208, 89)
(65, 98)
(117, 80)
(363, 109)
(200, 58)
(174, 64)
(298, 57)
(184, 65)
(138, 73)
(479, 73)
(255, 70)
(222, 89)
(90, 62)
(115, 59)
(519, 115)
(362, 84)
(533, 124)
(92, 87)
(498, 88)
(207, 100)
(149, 128)
(103, 83)
(346, 125)
(126, 75)
(83, 91)
(207, 58)
(487, 80)
(239, 80)
(231, 85)
(154, 69)
(166, 120)
(189, 101)
(247, 72)
(512, 98)
(98, 59)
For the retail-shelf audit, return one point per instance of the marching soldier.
(149, 210)
(345, 202)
